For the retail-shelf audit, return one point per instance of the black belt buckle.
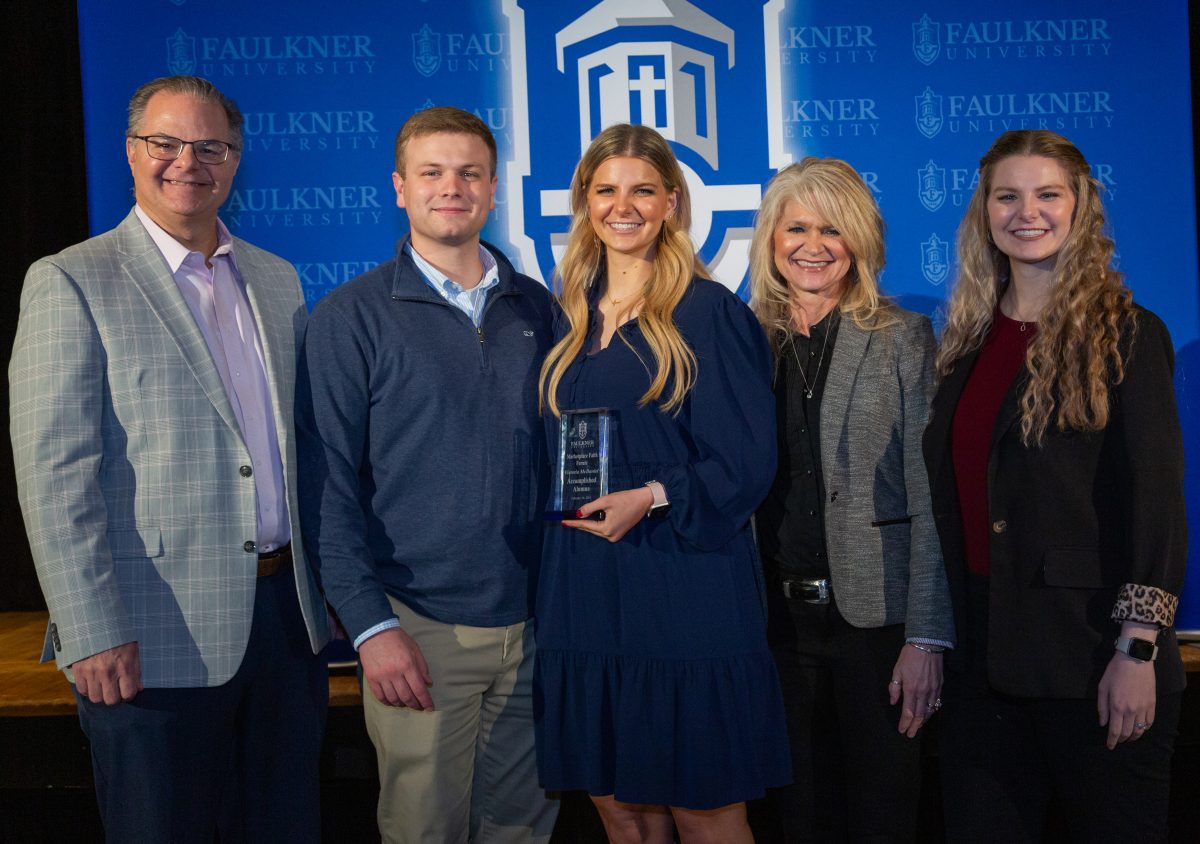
(809, 591)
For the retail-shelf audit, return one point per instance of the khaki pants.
(465, 771)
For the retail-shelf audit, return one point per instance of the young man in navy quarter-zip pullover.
(423, 481)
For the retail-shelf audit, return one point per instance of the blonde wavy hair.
(583, 264)
(833, 190)
(1075, 356)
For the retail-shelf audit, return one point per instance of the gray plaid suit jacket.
(885, 558)
(128, 453)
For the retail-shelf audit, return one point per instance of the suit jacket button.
(245, 471)
(249, 547)
(999, 526)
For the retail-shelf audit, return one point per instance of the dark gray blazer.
(884, 556)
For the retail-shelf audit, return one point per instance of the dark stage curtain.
(42, 154)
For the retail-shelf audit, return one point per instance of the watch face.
(1141, 649)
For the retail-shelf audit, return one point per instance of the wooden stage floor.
(46, 780)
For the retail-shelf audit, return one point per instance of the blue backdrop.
(910, 95)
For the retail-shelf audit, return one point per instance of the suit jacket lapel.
(942, 414)
(1010, 410)
(849, 349)
(1006, 418)
(274, 316)
(148, 270)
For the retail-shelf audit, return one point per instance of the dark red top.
(999, 361)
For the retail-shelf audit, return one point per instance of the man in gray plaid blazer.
(151, 418)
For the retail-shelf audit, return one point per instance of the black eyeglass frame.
(182, 143)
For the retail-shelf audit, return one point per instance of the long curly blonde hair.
(832, 189)
(675, 264)
(1075, 357)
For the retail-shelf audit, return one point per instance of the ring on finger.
(895, 681)
(1138, 725)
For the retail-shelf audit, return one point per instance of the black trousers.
(856, 777)
(178, 765)
(1007, 763)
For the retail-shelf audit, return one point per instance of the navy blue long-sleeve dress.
(653, 677)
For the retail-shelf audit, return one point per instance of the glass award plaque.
(581, 470)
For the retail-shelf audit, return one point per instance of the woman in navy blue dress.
(657, 692)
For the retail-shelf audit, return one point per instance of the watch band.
(660, 506)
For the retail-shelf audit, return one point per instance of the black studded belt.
(809, 591)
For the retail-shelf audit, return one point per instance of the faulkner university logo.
(427, 51)
(181, 53)
(931, 185)
(935, 259)
(927, 40)
(929, 112)
(697, 79)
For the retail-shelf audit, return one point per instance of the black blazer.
(1071, 522)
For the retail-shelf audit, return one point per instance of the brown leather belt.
(269, 564)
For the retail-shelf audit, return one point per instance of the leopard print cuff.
(1147, 604)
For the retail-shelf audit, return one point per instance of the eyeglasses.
(166, 148)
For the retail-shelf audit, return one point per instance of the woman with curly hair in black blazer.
(1056, 468)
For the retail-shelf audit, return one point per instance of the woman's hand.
(1127, 696)
(917, 677)
(622, 510)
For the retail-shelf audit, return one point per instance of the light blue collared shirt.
(216, 296)
(471, 302)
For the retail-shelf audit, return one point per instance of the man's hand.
(395, 668)
(110, 677)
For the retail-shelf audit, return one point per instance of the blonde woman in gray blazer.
(859, 610)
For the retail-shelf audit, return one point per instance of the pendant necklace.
(638, 293)
(808, 388)
(1022, 325)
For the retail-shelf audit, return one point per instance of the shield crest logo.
(427, 50)
(935, 259)
(927, 40)
(181, 53)
(931, 185)
(929, 112)
(579, 66)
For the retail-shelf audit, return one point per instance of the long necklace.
(808, 388)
